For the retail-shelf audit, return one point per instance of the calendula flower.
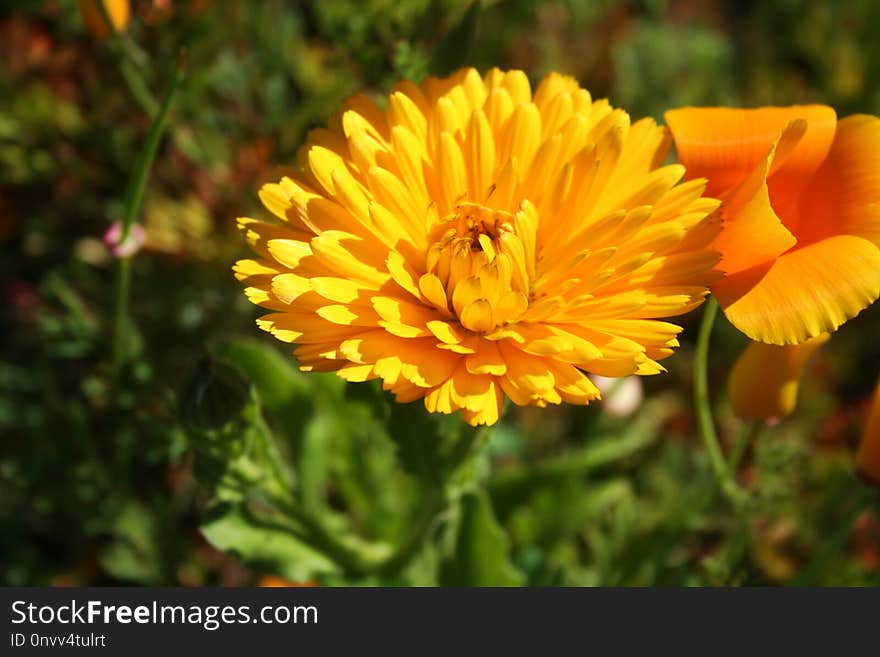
(473, 239)
(118, 11)
(800, 244)
(801, 207)
(868, 456)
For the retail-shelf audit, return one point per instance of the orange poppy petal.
(724, 144)
(868, 456)
(844, 196)
(805, 292)
(752, 233)
(764, 380)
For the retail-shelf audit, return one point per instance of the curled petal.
(804, 292)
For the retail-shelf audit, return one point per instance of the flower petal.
(807, 291)
(724, 144)
(753, 233)
(765, 378)
(844, 196)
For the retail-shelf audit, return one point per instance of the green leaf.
(421, 442)
(481, 553)
(434, 447)
(134, 552)
(313, 458)
(454, 50)
(513, 488)
(264, 543)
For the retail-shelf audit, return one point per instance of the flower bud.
(130, 245)
(213, 396)
(764, 381)
(118, 11)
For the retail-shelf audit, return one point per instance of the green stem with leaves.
(436, 501)
(358, 557)
(134, 197)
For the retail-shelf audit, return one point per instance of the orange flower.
(119, 12)
(801, 208)
(868, 456)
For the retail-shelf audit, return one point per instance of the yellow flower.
(473, 239)
(119, 12)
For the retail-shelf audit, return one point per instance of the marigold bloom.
(801, 206)
(119, 12)
(868, 456)
(474, 239)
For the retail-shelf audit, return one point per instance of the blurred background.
(99, 482)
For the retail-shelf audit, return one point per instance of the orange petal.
(724, 145)
(844, 195)
(752, 233)
(765, 378)
(868, 456)
(805, 292)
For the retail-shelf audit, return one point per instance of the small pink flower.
(131, 245)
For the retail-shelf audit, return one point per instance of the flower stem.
(120, 313)
(703, 406)
(437, 500)
(746, 437)
(134, 197)
(433, 506)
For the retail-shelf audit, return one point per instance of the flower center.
(479, 258)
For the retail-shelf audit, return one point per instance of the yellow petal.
(477, 316)
(403, 318)
(487, 360)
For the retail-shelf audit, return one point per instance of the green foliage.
(481, 555)
(454, 50)
(270, 546)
